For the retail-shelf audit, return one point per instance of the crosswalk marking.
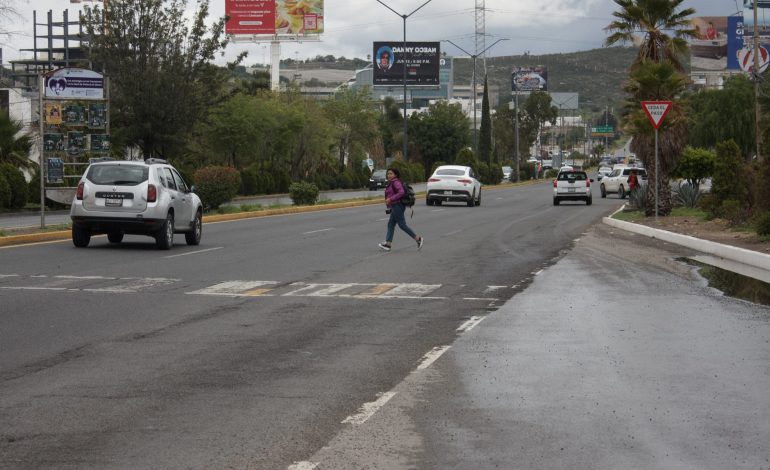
(69, 283)
(233, 288)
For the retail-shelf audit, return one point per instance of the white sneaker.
(385, 246)
(419, 243)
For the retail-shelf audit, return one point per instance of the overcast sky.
(352, 25)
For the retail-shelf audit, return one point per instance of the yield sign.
(656, 111)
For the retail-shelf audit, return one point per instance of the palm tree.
(14, 145)
(652, 81)
(656, 74)
(665, 29)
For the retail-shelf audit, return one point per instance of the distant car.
(141, 198)
(572, 186)
(378, 180)
(453, 183)
(507, 173)
(602, 172)
(617, 181)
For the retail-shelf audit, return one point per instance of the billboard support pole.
(404, 17)
(41, 87)
(275, 65)
(756, 74)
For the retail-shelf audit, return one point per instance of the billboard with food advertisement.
(421, 59)
(529, 79)
(275, 17)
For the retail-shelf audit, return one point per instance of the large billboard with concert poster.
(529, 79)
(275, 17)
(421, 59)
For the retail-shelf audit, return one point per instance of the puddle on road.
(733, 284)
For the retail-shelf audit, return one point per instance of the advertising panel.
(421, 59)
(719, 40)
(74, 83)
(529, 79)
(274, 17)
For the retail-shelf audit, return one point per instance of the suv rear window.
(572, 175)
(447, 172)
(123, 175)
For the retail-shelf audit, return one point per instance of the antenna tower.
(481, 65)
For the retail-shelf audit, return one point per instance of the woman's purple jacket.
(394, 191)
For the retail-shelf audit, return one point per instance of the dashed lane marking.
(432, 356)
(470, 324)
(367, 410)
(195, 252)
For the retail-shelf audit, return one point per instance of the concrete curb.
(739, 255)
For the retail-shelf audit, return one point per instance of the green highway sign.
(602, 131)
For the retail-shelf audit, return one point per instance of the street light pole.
(403, 63)
(474, 56)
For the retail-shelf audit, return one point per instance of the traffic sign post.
(656, 111)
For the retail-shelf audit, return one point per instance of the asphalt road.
(280, 341)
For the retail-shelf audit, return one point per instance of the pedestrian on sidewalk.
(394, 192)
(633, 181)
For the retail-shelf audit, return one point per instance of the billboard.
(529, 79)
(421, 59)
(719, 40)
(74, 83)
(274, 17)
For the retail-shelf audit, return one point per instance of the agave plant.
(637, 199)
(687, 195)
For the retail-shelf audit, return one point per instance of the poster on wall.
(53, 142)
(421, 60)
(97, 115)
(99, 142)
(53, 114)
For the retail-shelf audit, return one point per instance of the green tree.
(652, 81)
(162, 79)
(14, 146)
(694, 165)
(485, 131)
(537, 110)
(391, 127)
(354, 122)
(666, 29)
(504, 132)
(720, 115)
(439, 133)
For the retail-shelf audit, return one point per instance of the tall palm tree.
(656, 74)
(14, 145)
(665, 29)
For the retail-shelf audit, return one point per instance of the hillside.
(597, 75)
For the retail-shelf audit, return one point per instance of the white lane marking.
(367, 410)
(232, 288)
(470, 324)
(9, 275)
(452, 233)
(383, 219)
(316, 231)
(133, 285)
(82, 277)
(330, 290)
(493, 288)
(33, 288)
(438, 210)
(195, 252)
(411, 290)
(431, 356)
(537, 272)
(491, 299)
(304, 465)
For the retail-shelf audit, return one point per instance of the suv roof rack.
(150, 161)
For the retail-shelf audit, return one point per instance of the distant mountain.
(596, 75)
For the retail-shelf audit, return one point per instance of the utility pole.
(404, 64)
(474, 57)
(756, 75)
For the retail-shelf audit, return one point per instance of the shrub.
(5, 192)
(216, 185)
(762, 224)
(734, 212)
(731, 180)
(17, 184)
(694, 165)
(466, 157)
(303, 194)
(687, 195)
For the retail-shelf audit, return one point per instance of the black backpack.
(409, 198)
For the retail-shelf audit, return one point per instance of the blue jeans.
(397, 217)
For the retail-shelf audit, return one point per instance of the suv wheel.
(193, 237)
(472, 200)
(478, 200)
(603, 191)
(80, 236)
(621, 192)
(164, 239)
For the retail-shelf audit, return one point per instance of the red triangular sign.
(656, 111)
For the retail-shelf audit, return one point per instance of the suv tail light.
(79, 193)
(588, 183)
(433, 180)
(554, 183)
(152, 193)
(465, 181)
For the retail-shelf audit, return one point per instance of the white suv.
(572, 185)
(617, 181)
(140, 198)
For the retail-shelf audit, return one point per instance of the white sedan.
(453, 183)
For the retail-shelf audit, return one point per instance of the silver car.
(139, 198)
